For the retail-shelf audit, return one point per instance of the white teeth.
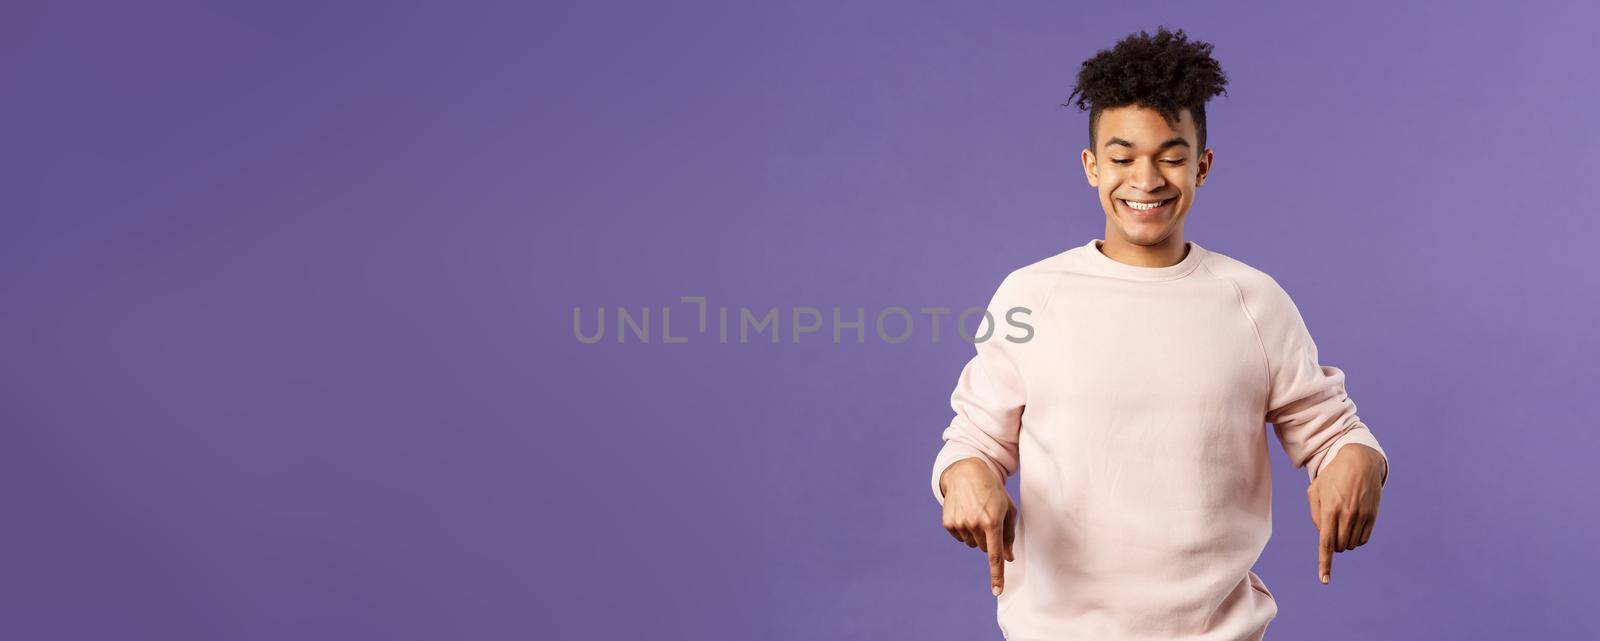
(1143, 206)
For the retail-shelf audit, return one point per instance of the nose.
(1146, 177)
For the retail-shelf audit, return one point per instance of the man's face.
(1138, 157)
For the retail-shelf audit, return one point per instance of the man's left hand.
(1344, 502)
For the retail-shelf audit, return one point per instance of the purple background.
(288, 296)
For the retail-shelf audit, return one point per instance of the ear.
(1205, 168)
(1091, 170)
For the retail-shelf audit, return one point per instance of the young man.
(1135, 415)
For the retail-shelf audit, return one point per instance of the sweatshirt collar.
(1104, 265)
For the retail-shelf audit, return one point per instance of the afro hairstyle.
(1165, 72)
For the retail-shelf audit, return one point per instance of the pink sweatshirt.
(1135, 417)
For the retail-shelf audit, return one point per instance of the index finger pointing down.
(997, 566)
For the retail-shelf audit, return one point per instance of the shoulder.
(1260, 293)
(1031, 285)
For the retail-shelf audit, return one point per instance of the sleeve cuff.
(952, 453)
(1358, 434)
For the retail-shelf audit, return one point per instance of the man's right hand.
(979, 512)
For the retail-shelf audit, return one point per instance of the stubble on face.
(1143, 158)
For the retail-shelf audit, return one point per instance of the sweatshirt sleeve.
(989, 395)
(1307, 404)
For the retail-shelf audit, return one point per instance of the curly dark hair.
(1165, 72)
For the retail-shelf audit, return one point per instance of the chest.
(1147, 348)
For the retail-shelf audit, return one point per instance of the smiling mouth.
(1147, 210)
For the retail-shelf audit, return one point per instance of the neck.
(1166, 253)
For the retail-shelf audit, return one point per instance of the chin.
(1145, 232)
(1142, 238)
(1141, 233)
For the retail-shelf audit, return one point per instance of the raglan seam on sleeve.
(1266, 359)
(983, 363)
(1049, 296)
(1015, 363)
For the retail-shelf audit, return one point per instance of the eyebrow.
(1172, 142)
